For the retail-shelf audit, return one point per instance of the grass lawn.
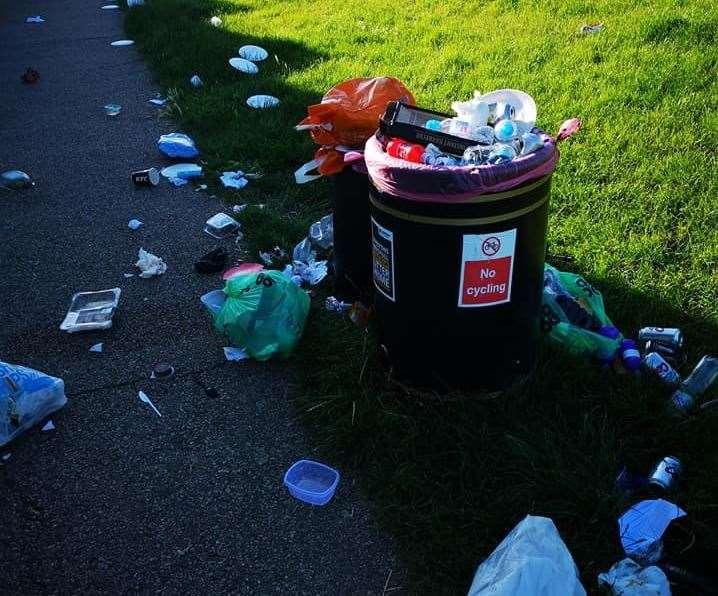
(634, 206)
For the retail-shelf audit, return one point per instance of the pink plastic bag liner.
(446, 184)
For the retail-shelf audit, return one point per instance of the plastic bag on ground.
(563, 289)
(531, 561)
(177, 144)
(628, 578)
(348, 115)
(264, 313)
(26, 397)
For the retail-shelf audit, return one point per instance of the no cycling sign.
(487, 265)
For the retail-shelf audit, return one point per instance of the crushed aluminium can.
(655, 363)
(666, 473)
(669, 336)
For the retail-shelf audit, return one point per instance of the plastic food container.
(311, 482)
(91, 310)
(221, 225)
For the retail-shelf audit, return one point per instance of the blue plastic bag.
(26, 397)
(177, 144)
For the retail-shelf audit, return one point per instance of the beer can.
(666, 473)
(682, 401)
(669, 336)
(674, 357)
(149, 177)
(664, 371)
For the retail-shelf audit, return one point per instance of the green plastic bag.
(556, 324)
(264, 314)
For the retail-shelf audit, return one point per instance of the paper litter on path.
(150, 264)
(49, 425)
(97, 348)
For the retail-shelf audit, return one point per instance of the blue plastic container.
(311, 482)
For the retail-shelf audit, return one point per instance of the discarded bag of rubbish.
(16, 180)
(149, 264)
(26, 397)
(642, 527)
(532, 561)
(91, 311)
(264, 313)
(574, 316)
(177, 144)
(628, 578)
(348, 115)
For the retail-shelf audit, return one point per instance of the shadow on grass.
(451, 475)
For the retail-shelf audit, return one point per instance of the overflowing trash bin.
(458, 243)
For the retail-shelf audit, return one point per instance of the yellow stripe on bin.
(457, 221)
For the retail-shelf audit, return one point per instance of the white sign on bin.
(487, 266)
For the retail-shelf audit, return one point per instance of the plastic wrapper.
(570, 306)
(348, 115)
(26, 397)
(264, 313)
(177, 144)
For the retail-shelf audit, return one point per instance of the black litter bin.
(352, 236)
(458, 283)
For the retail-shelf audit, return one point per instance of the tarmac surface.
(116, 499)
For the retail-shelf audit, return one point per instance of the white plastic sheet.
(531, 561)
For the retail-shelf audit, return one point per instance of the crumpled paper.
(150, 264)
(234, 179)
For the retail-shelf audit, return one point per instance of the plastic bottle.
(630, 355)
(407, 151)
(703, 376)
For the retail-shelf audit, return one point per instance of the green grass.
(634, 206)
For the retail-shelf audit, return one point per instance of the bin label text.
(382, 241)
(487, 265)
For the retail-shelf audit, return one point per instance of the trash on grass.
(312, 273)
(145, 398)
(158, 100)
(359, 314)
(91, 310)
(148, 177)
(628, 578)
(592, 28)
(695, 385)
(195, 81)
(253, 53)
(642, 526)
(215, 21)
(234, 179)
(49, 425)
(178, 181)
(112, 109)
(321, 232)
(259, 102)
(235, 354)
(221, 225)
(264, 313)
(134, 224)
(574, 316)
(96, 348)
(243, 65)
(16, 180)
(213, 262)
(162, 370)
(532, 560)
(311, 482)
(201, 187)
(666, 473)
(122, 42)
(30, 76)
(110, 7)
(656, 364)
(332, 304)
(177, 144)
(36, 19)
(27, 396)
(149, 264)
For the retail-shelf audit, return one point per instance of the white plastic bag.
(26, 397)
(531, 561)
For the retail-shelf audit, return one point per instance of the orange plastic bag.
(348, 115)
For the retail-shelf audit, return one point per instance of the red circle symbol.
(491, 246)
